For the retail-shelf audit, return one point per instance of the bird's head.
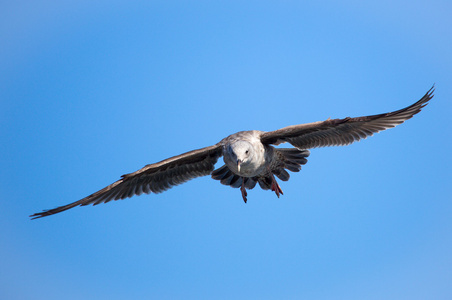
(241, 152)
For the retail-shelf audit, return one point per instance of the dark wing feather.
(153, 178)
(340, 132)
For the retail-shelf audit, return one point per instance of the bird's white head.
(241, 152)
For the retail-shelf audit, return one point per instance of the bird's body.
(249, 157)
(245, 147)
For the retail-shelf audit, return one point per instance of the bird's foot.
(243, 190)
(275, 187)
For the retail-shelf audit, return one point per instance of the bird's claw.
(244, 193)
(275, 187)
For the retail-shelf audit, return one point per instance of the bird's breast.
(249, 169)
(253, 167)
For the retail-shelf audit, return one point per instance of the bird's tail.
(290, 159)
(226, 177)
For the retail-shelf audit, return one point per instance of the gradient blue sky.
(90, 90)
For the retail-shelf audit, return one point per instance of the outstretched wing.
(340, 132)
(153, 178)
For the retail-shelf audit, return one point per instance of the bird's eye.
(246, 152)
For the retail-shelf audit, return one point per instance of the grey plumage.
(249, 157)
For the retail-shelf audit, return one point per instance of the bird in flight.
(249, 157)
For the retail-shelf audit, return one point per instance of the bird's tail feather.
(226, 177)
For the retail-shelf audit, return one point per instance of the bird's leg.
(275, 186)
(243, 190)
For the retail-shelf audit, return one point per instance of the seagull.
(249, 156)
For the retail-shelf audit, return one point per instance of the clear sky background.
(90, 90)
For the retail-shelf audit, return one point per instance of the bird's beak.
(238, 164)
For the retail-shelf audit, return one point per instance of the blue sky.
(90, 90)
